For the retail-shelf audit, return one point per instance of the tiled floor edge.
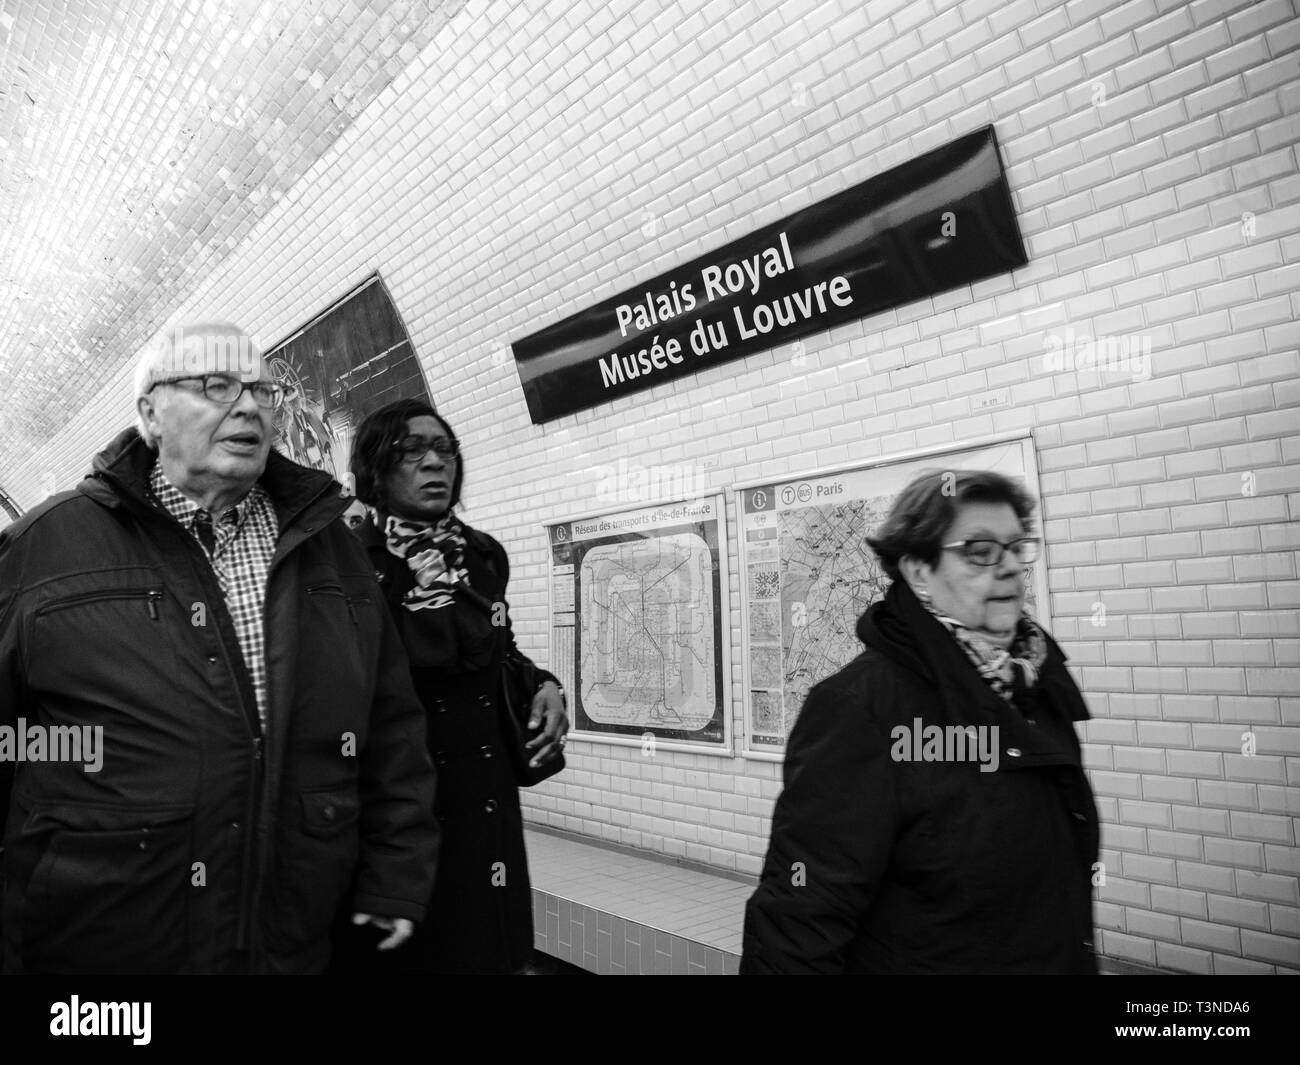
(1109, 966)
(639, 852)
(626, 947)
(608, 945)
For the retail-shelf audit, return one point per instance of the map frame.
(1016, 448)
(566, 651)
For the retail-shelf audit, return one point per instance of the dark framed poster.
(348, 361)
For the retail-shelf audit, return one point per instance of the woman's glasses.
(989, 552)
(412, 449)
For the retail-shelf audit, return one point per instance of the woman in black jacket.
(935, 816)
(445, 583)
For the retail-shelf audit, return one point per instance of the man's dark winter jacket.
(879, 865)
(202, 844)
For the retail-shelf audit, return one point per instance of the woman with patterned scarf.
(935, 816)
(445, 584)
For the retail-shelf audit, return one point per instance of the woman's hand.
(548, 711)
(399, 928)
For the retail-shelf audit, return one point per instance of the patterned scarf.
(435, 553)
(1006, 671)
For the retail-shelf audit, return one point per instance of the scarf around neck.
(435, 554)
(1008, 671)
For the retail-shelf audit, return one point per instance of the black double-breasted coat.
(480, 916)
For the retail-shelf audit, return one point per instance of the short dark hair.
(372, 451)
(926, 509)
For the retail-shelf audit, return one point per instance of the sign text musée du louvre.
(936, 222)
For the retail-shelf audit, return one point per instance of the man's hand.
(548, 708)
(399, 927)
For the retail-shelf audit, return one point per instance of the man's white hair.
(179, 350)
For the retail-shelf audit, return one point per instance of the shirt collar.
(185, 510)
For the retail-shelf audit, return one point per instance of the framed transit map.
(640, 625)
(807, 572)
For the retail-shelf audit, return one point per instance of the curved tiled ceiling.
(139, 143)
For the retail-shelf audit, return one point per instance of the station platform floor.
(611, 911)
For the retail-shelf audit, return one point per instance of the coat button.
(440, 758)
(440, 705)
(490, 806)
(1014, 752)
(212, 660)
(485, 751)
(485, 702)
(234, 825)
(1078, 816)
(1030, 721)
(328, 813)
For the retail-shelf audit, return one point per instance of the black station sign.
(942, 220)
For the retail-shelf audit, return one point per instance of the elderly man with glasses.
(263, 760)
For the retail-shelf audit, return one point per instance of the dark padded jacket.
(202, 844)
(880, 865)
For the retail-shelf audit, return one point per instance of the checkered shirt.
(245, 542)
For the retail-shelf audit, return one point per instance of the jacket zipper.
(251, 847)
(335, 591)
(151, 596)
(252, 893)
(252, 835)
(251, 889)
(352, 610)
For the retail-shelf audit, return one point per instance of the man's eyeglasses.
(221, 388)
(989, 552)
(412, 449)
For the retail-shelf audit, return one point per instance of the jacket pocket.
(316, 860)
(337, 676)
(133, 624)
(109, 889)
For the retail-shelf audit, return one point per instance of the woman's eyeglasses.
(412, 449)
(989, 552)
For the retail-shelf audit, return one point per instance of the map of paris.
(809, 574)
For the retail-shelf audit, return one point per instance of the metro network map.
(637, 609)
(647, 651)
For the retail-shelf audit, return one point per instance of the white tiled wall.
(539, 157)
